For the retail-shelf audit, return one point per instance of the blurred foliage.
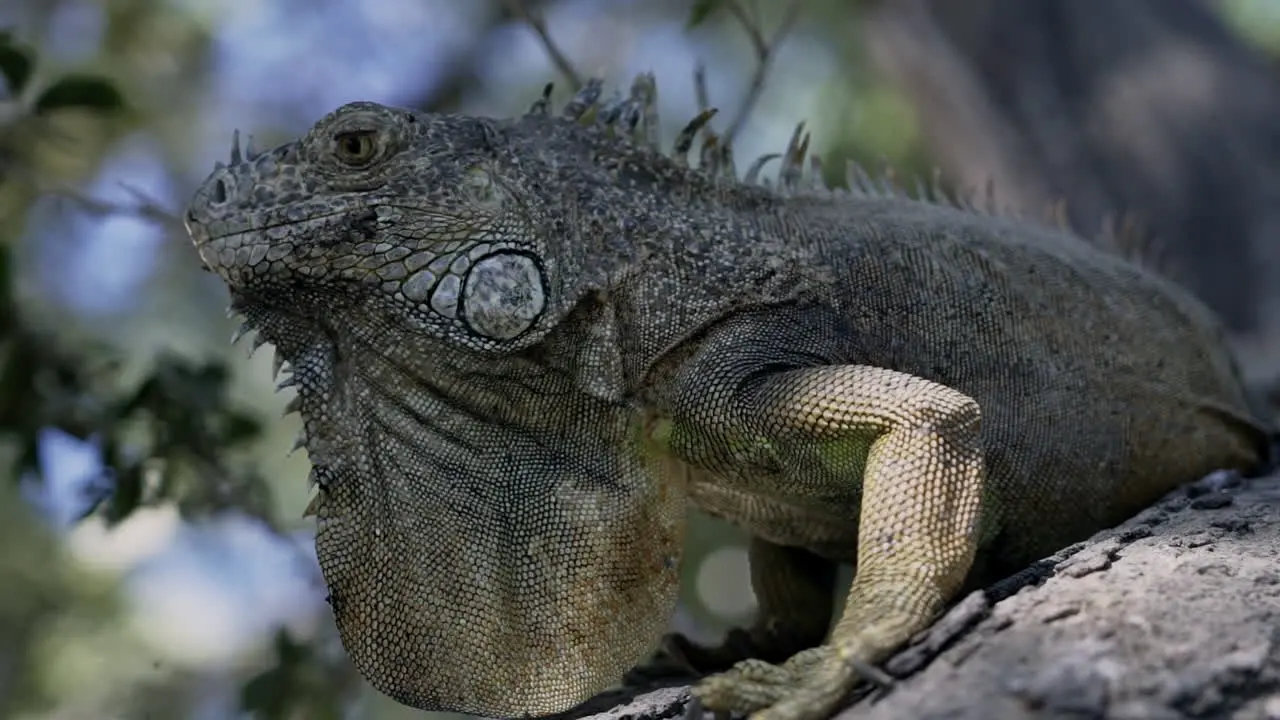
(178, 420)
(1256, 20)
(54, 594)
(700, 10)
(168, 436)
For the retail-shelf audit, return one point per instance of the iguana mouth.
(250, 229)
(244, 253)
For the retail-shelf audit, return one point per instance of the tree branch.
(533, 17)
(764, 51)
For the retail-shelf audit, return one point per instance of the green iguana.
(523, 349)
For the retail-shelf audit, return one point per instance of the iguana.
(524, 348)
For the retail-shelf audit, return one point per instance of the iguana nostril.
(220, 192)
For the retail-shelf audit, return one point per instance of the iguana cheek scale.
(524, 348)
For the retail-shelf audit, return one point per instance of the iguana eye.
(356, 147)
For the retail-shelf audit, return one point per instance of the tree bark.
(1171, 615)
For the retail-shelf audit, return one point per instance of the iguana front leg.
(748, 404)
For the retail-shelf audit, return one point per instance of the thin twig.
(700, 93)
(703, 97)
(534, 19)
(145, 207)
(764, 50)
(752, 27)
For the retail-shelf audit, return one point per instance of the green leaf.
(701, 10)
(6, 291)
(267, 695)
(16, 63)
(240, 427)
(87, 91)
(272, 694)
(126, 492)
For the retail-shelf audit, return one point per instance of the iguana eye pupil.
(355, 148)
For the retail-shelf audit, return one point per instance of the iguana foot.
(809, 686)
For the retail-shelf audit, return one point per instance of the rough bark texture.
(1173, 614)
(1146, 106)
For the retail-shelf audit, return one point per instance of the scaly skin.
(523, 347)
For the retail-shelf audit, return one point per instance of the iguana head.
(495, 537)
(416, 213)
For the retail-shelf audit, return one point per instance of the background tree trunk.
(1145, 106)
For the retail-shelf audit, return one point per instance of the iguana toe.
(806, 687)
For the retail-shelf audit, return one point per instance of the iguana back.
(1102, 384)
